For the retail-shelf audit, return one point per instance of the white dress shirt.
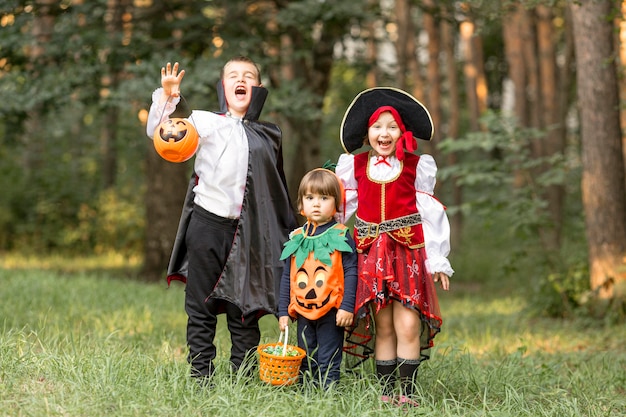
(221, 161)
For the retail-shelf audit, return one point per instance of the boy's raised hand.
(171, 79)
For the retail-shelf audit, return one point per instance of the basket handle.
(280, 338)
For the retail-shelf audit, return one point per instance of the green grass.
(88, 344)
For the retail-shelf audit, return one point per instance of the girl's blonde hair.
(320, 181)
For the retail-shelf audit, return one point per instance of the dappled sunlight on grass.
(104, 262)
(485, 326)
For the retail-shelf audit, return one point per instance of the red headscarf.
(406, 139)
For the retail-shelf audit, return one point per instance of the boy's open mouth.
(240, 92)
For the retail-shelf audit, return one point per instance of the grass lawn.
(90, 344)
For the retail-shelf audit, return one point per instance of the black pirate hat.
(355, 122)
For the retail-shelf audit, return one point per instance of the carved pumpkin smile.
(313, 305)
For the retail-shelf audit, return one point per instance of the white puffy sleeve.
(159, 111)
(434, 219)
(345, 172)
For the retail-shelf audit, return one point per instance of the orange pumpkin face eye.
(302, 279)
(320, 277)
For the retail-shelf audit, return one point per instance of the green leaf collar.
(323, 245)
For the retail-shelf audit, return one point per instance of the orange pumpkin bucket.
(279, 363)
(176, 139)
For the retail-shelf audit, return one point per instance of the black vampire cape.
(251, 276)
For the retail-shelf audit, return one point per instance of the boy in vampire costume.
(236, 217)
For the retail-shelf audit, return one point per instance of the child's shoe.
(386, 399)
(403, 400)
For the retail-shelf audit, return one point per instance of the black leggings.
(209, 239)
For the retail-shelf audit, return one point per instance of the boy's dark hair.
(320, 181)
(242, 58)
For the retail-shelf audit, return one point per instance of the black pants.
(323, 342)
(209, 239)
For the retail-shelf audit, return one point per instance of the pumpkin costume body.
(401, 233)
(320, 277)
(236, 216)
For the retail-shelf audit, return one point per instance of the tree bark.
(114, 26)
(166, 186)
(475, 85)
(621, 41)
(448, 32)
(433, 79)
(513, 47)
(42, 30)
(403, 53)
(551, 120)
(603, 189)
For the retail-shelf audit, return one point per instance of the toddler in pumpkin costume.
(402, 232)
(318, 284)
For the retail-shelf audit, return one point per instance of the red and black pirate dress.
(401, 233)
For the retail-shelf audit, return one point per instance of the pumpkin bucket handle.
(168, 100)
(280, 339)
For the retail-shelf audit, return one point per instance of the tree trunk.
(448, 32)
(471, 73)
(621, 41)
(372, 77)
(166, 186)
(513, 47)
(373, 74)
(108, 145)
(603, 189)
(551, 120)
(433, 79)
(403, 53)
(42, 30)
(110, 82)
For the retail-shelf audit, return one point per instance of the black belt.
(365, 229)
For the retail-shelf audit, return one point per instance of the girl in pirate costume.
(401, 231)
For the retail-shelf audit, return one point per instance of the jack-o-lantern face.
(316, 287)
(176, 140)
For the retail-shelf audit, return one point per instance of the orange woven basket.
(280, 369)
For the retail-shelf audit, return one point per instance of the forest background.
(527, 98)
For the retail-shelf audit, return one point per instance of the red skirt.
(388, 271)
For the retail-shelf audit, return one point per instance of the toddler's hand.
(283, 322)
(344, 318)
